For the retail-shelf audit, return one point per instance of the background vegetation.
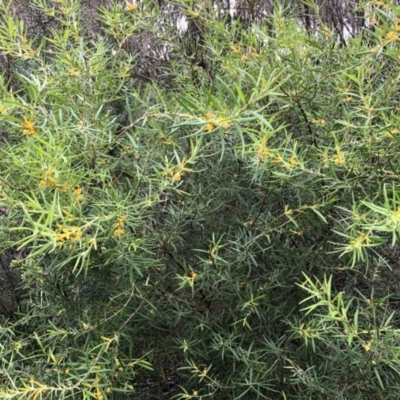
(199, 200)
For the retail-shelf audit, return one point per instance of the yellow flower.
(203, 373)
(243, 58)
(293, 160)
(396, 24)
(16, 345)
(78, 193)
(29, 126)
(185, 346)
(119, 226)
(319, 121)
(395, 216)
(392, 132)
(74, 72)
(367, 346)
(177, 177)
(288, 211)
(98, 394)
(326, 32)
(2, 110)
(29, 53)
(209, 127)
(338, 158)
(131, 6)
(209, 116)
(192, 276)
(72, 233)
(235, 49)
(392, 36)
(220, 121)
(359, 240)
(367, 108)
(182, 167)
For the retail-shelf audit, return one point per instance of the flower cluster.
(29, 127)
(49, 180)
(179, 170)
(71, 233)
(78, 193)
(131, 6)
(213, 122)
(119, 226)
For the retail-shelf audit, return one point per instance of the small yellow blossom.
(16, 345)
(326, 32)
(367, 346)
(74, 72)
(319, 121)
(180, 169)
(392, 36)
(264, 152)
(209, 116)
(119, 226)
(293, 160)
(222, 122)
(209, 127)
(98, 394)
(131, 6)
(243, 58)
(192, 276)
(236, 49)
(367, 108)
(395, 216)
(78, 193)
(338, 158)
(357, 243)
(29, 53)
(29, 126)
(396, 24)
(203, 373)
(288, 211)
(72, 234)
(177, 177)
(2, 110)
(392, 132)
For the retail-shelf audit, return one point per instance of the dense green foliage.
(202, 213)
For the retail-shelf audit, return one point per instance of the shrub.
(209, 214)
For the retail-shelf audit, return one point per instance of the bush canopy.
(199, 201)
